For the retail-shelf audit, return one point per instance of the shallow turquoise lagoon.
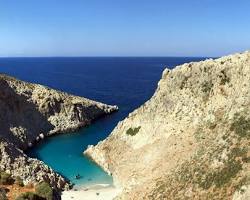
(64, 153)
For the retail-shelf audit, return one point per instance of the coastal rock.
(29, 113)
(17, 163)
(190, 140)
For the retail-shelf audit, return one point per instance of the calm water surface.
(126, 82)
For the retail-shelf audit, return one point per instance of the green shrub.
(3, 195)
(207, 86)
(241, 126)
(133, 131)
(19, 181)
(5, 178)
(223, 176)
(44, 190)
(224, 78)
(29, 196)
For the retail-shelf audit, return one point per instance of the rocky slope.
(190, 140)
(31, 112)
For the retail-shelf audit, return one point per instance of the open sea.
(124, 81)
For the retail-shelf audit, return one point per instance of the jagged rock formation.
(31, 112)
(191, 140)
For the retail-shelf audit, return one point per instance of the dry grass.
(15, 190)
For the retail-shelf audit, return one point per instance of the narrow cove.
(64, 153)
(126, 82)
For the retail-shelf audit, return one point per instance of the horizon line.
(109, 56)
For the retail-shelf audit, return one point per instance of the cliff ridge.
(190, 140)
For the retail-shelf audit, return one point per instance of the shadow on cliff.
(20, 120)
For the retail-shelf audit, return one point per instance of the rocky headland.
(31, 112)
(191, 140)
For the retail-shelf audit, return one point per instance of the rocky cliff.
(31, 112)
(190, 140)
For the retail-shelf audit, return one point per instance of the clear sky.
(124, 27)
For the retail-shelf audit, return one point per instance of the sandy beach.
(96, 192)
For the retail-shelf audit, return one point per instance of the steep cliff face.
(190, 140)
(29, 113)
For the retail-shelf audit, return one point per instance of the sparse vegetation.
(199, 136)
(133, 131)
(242, 182)
(3, 195)
(241, 126)
(207, 86)
(44, 190)
(184, 82)
(5, 178)
(208, 170)
(223, 176)
(206, 178)
(19, 181)
(29, 196)
(212, 126)
(224, 78)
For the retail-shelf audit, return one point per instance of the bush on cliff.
(19, 181)
(29, 196)
(133, 131)
(5, 178)
(44, 190)
(3, 195)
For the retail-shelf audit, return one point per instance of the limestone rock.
(190, 140)
(31, 112)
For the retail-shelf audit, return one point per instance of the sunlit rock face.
(190, 140)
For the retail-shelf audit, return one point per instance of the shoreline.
(92, 192)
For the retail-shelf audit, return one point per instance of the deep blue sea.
(127, 82)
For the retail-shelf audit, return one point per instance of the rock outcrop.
(191, 140)
(31, 112)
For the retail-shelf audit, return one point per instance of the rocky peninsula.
(191, 140)
(31, 112)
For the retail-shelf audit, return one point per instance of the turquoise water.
(126, 82)
(64, 154)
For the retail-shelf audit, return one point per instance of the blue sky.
(123, 27)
